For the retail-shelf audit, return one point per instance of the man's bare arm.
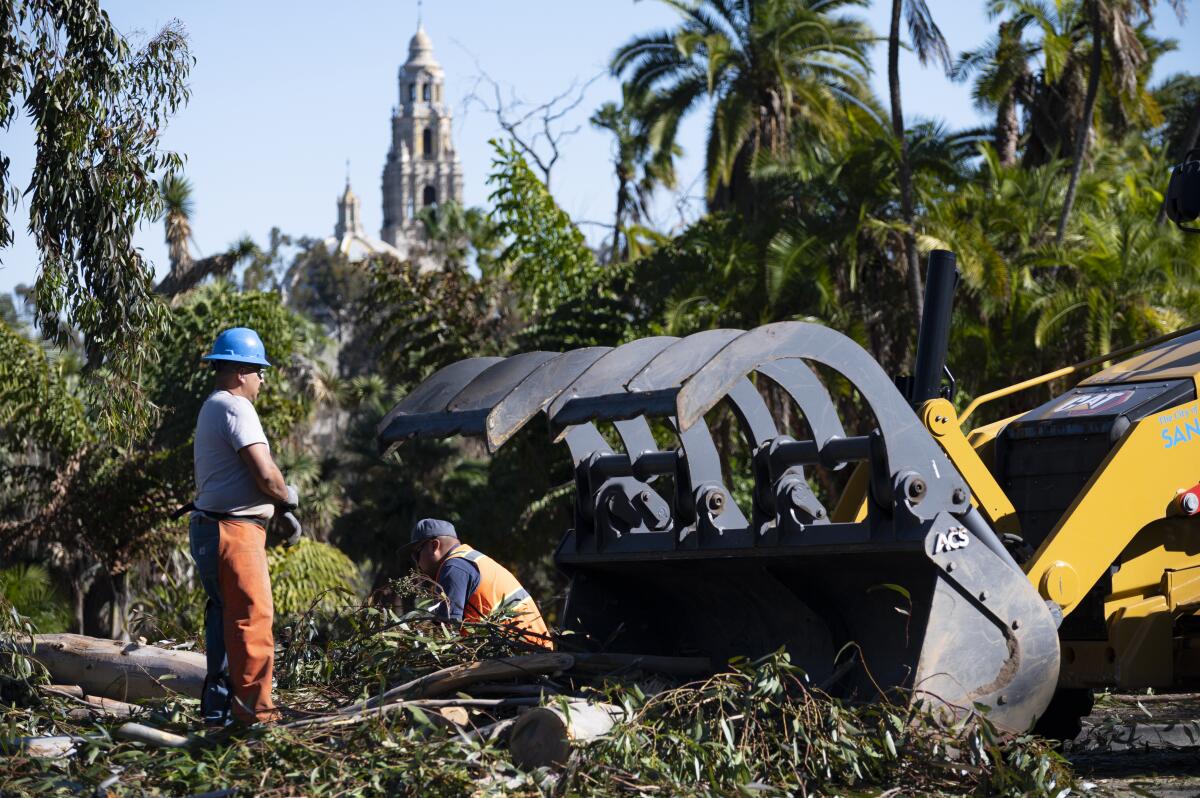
(267, 475)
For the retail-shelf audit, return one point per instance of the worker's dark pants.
(232, 566)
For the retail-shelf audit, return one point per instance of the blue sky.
(283, 93)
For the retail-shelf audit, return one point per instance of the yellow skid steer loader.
(981, 570)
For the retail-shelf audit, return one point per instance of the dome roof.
(420, 50)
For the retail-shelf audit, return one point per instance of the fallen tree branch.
(140, 733)
(456, 677)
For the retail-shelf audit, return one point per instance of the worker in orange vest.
(475, 585)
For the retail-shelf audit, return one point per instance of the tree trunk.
(1085, 123)
(542, 736)
(114, 669)
(1191, 137)
(1008, 130)
(618, 218)
(907, 201)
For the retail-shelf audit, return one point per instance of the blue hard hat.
(239, 345)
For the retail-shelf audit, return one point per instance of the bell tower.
(422, 167)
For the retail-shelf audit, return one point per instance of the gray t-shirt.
(224, 484)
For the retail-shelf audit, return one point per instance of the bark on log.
(456, 677)
(542, 736)
(115, 669)
(113, 707)
(91, 705)
(601, 663)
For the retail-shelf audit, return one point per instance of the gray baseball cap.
(428, 529)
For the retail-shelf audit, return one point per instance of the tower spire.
(419, 13)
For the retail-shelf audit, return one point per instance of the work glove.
(293, 499)
(292, 528)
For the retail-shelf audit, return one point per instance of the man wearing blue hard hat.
(238, 489)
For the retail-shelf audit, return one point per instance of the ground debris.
(760, 727)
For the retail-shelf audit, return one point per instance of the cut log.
(115, 669)
(542, 737)
(140, 733)
(45, 747)
(456, 677)
(456, 715)
(601, 663)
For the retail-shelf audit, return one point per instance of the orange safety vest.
(499, 588)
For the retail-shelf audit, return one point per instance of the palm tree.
(187, 272)
(929, 44)
(1003, 80)
(1112, 26)
(453, 233)
(770, 67)
(634, 151)
(177, 221)
(1129, 282)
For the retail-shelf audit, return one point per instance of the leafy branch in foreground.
(97, 107)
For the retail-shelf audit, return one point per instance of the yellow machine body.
(1123, 551)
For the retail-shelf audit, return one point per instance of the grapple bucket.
(918, 595)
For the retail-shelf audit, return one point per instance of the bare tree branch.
(538, 129)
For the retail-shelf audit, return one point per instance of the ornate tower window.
(429, 196)
(427, 144)
(412, 92)
(425, 92)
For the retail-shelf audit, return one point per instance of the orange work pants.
(247, 612)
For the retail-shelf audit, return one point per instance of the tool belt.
(191, 507)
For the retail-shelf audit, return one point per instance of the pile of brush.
(383, 703)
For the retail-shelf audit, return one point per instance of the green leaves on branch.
(97, 107)
(548, 260)
(36, 403)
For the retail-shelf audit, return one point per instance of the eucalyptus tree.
(776, 72)
(929, 44)
(97, 106)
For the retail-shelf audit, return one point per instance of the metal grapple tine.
(531, 395)
(670, 367)
(910, 451)
(483, 392)
(606, 376)
(662, 376)
(799, 382)
(465, 412)
(431, 396)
